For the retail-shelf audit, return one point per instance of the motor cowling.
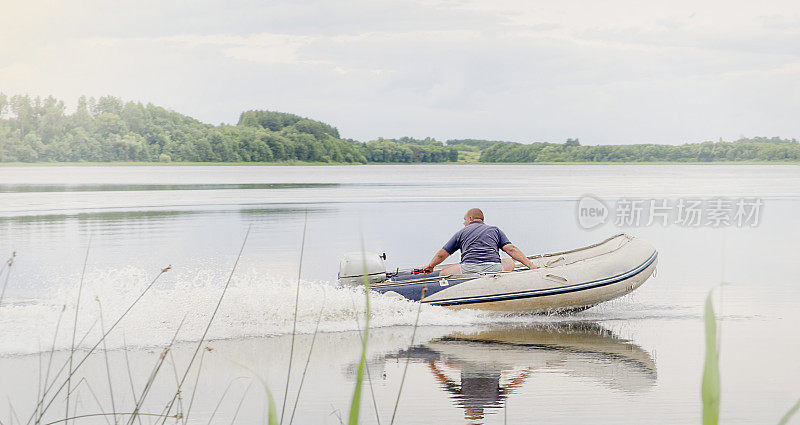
(357, 265)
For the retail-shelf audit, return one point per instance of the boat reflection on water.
(480, 370)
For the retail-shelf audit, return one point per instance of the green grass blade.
(785, 419)
(711, 383)
(355, 405)
(272, 411)
(271, 414)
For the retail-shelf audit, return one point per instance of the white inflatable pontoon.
(565, 281)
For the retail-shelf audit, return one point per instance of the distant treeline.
(34, 129)
(108, 129)
(755, 149)
(407, 149)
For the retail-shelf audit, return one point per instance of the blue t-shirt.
(478, 243)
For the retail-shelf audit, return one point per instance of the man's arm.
(447, 250)
(517, 254)
(437, 259)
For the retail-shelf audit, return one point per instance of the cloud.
(610, 72)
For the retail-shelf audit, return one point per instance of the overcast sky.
(603, 71)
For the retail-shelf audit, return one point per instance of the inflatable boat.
(564, 281)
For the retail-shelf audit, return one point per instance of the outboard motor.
(354, 265)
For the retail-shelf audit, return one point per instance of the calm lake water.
(634, 360)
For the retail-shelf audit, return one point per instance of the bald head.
(474, 214)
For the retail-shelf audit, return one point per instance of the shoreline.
(324, 164)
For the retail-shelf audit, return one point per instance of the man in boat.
(479, 244)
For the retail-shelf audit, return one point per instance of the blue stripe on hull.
(413, 291)
(550, 291)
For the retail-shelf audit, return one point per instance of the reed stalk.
(96, 399)
(294, 321)
(149, 384)
(130, 376)
(219, 402)
(208, 326)
(39, 377)
(75, 324)
(60, 370)
(108, 365)
(308, 359)
(9, 263)
(177, 383)
(239, 406)
(12, 413)
(196, 385)
(91, 350)
(408, 358)
(92, 415)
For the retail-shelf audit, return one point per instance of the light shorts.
(485, 267)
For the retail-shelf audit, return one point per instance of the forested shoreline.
(108, 129)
